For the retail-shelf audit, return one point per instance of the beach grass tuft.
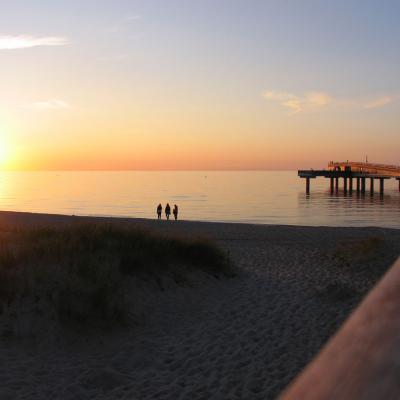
(361, 253)
(82, 271)
(360, 249)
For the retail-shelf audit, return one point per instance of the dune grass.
(358, 262)
(82, 271)
(360, 249)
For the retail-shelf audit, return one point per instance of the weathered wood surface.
(362, 361)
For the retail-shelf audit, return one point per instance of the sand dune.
(239, 338)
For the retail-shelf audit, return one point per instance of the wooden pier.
(349, 172)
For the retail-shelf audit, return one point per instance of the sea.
(257, 197)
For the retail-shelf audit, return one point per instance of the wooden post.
(382, 186)
(358, 185)
(308, 185)
(333, 185)
(351, 185)
(336, 184)
(372, 186)
(362, 360)
(345, 184)
(362, 185)
(399, 183)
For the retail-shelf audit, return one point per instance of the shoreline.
(238, 338)
(30, 217)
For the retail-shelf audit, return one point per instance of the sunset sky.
(122, 84)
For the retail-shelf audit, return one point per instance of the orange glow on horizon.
(78, 139)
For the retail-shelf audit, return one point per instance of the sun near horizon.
(210, 86)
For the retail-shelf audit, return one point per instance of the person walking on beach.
(175, 212)
(159, 211)
(167, 210)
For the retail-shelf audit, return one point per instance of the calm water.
(256, 197)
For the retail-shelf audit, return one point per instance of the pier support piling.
(308, 185)
(333, 184)
(372, 186)
(362, 185)
(336, 184)
(345, 185)
(382, 186)
(351, 185)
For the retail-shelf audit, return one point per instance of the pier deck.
(353, 170)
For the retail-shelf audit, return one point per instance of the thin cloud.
(131, 18)
(318, 101)
(49, 105)
(379, 102)
(118, 57)
(310, 102)
(27, 41)
(124, 24)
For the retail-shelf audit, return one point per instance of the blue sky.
(255, 69)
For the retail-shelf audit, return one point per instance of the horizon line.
(150, 170)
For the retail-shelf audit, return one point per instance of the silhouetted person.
(167, 210)
(159, 211)
(175, 212)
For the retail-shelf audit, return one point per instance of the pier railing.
(362, 361)
(375, 168)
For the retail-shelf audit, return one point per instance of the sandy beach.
(244, 337)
